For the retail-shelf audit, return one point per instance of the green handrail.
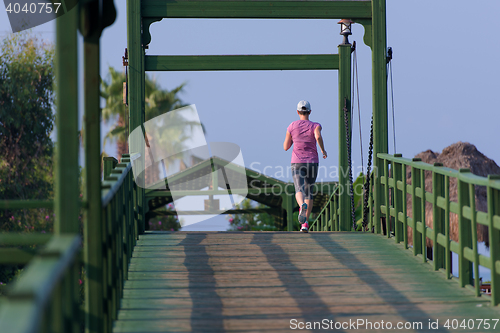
(45, 297)
(119, 235)
(394, 210)
(328, 218)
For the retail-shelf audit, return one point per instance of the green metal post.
(386, 200)
(398, 176)
(438, 217)
(464, 234)
(136, 93)
(405, 208)
(379, 88)
(109, 163)
(493, 197)
(423, 202)
(289, 212)
(345, 216)
(473, 222)
(416, 205)
(66, 185)
(94, 310)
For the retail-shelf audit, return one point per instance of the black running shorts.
(304, 176)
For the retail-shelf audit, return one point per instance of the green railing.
(46, 296)
(328, 218)
(119, 230)
(395, 210)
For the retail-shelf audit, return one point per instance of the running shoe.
(302, 213)
(305, 227)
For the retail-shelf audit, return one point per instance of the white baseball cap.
(303, 106)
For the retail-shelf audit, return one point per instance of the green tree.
(251, 222)
(26, 122)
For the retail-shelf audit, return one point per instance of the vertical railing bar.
(493, 199)
(330, 225)
(77, 316)
(463, 232)
(405, 208)
(423, 203)
(435, 194)
(437, 218)
(387, 203)
(321, 221)
(395, 198)
(106, 258)
(57, 310)
(447, 226)
(112, 266)
(414, 201)
(472, 205)
(126, 232)
(370, 206)
(327, 217)
(119, 248)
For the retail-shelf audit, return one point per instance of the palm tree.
(112, 91)
(158, 101)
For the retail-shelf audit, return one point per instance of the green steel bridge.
(332, 278)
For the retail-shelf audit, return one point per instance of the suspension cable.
(355, 91)
(349, 162)
(389, 51)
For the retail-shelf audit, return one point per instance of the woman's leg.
(299, 196)
(312, 174)
(309, 203)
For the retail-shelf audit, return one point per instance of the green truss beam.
(242, 62)
(256, 9)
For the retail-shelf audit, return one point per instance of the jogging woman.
(303, 135)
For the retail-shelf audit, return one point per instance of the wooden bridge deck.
(262, 281)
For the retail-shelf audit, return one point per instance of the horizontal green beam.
(20, 239)
(257, 9)
(163, 193)
(242, 62)
(217, 212)
(26, 204)
(14, 256)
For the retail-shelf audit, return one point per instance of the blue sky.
(445, 76)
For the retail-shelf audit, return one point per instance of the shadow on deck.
(275, 281)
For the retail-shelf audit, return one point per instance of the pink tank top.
(304, 142)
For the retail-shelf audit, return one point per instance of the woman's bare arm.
(319, 139)
(288, 141)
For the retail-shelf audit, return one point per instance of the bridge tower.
(370, 14)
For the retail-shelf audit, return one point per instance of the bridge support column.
(136, 96)
(93, 256)
(379, 89)
(344, 102)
